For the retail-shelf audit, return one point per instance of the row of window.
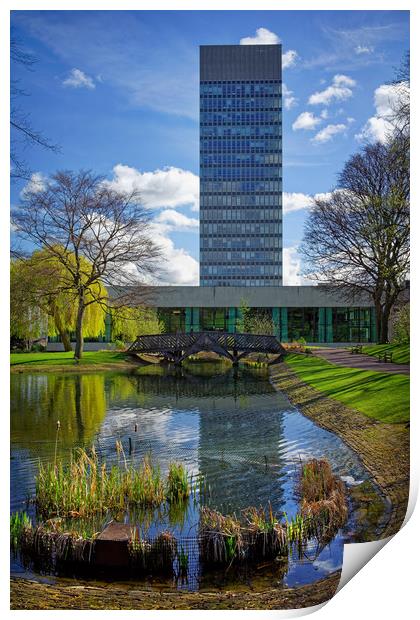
(239, 131)
(234, 228)
(241, 159)
(239, 243)
(244, 118)
(225, 145)
(232, 187)
(271, 104)
(216, 256)
(240, 281)
(263, 173)
(216, 215)
(241, 270)
(248, 201)
(240, 88)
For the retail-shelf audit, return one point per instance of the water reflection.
(229, 425)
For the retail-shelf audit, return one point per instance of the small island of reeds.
(68, 493)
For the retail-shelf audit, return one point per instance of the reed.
(19, 522)
(323, 500)
(265, 535)
(85, 487)
(220, 537)
(177, 484)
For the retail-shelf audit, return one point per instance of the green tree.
(41, 302)
(401, 325)
(128, 323)
(242, 316)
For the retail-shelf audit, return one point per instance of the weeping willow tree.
(128, 323)
(42, 303)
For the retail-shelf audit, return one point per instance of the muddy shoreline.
(384, 449)
(26, 594)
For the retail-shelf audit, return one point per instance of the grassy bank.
(90, 359)
(382, 396)
(400, 352)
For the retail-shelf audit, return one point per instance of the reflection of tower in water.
(238, 451)
(228, 426)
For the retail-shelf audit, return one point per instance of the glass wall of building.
(327, 325)
(302, 323)
(173, 319)
(351, 324)
(240, 166)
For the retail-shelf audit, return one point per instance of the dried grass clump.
(220, 537)
(266, 537)
(51, 547)
(163, 552)
(323, 503)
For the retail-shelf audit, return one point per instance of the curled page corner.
(357, 555)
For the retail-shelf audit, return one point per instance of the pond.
(228, 425)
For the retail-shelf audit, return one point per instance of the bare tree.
(357, 239)
(100, 236)
(400, 118)
(22, 131)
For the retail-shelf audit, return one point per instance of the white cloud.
(289, 100)
(167, 187)
(292, 267)
(36, 184)
(306, 120)
(324, 114)
(263, 36)
(343, 80)
(378, 127)
(289, 58)
(178, 267)
(339, 90)
(79, 79)
(173, 220)
(364, 49)
(296, 201)
(326, 134)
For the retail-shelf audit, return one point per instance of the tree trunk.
(65, 339)
(383, 337)
(386, 312)
(78, 351)
(378, 312)
(63, 333)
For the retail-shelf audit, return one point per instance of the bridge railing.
(182, 341)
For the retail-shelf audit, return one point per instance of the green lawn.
(66, 359)
(400, 352)
(379, 395)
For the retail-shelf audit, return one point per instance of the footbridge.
(177, 347)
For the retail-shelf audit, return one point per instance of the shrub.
(401, 325)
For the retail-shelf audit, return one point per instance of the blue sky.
(118, 91)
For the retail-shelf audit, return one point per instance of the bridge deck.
(177, 347)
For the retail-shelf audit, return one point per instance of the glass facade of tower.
(240, 165)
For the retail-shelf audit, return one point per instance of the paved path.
(343, 357)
